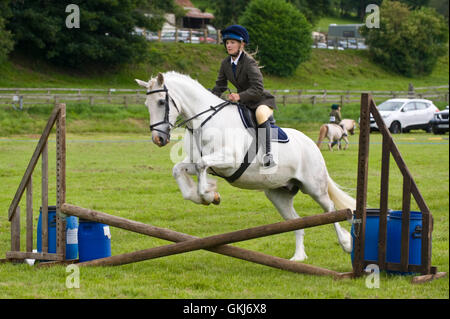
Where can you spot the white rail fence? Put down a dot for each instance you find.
(18, 97)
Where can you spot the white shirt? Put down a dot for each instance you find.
(237, 59)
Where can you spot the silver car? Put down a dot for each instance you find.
(403, 115)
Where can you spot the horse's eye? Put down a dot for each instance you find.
(161, 103)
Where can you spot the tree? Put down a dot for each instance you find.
(313, 9)
(415, 4)
(104, 37)
(6, 41)
(407, 42)
(227, 12)
(441, 7)
(280, 35)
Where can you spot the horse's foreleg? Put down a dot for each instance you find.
(186, 184)
(206, 192)
(207, 189)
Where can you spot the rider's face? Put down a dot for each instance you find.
(233, 47)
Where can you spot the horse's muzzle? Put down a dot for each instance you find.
(160, 140)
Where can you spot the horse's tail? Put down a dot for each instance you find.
(322, 133)
(341, 199)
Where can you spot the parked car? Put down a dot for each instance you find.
(185, 37)
(439, 123)
(168, 37)
(207, 40)
(152, 36)
(403, 115)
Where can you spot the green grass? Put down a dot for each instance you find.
(126, 175)
(326, 69)
(322, 25)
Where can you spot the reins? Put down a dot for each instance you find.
(215, 109)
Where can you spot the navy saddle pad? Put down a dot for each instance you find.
(249, 121)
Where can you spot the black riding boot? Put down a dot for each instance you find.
(264, 140)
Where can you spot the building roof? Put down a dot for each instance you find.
(193, 12)
(196, 13)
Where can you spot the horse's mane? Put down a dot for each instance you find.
(186, 81)
(183, 77)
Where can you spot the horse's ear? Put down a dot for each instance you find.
(160, 79)
(142, 83)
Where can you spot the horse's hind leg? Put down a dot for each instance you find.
(346, 142)
(343, 235)
(283, 201)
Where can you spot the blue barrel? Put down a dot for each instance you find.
(71, 233)
(394, 236)
(371, 238)
(94, 240)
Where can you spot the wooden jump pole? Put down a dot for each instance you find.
(212, 243)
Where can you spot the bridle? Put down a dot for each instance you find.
(167, 110)
(214, 109)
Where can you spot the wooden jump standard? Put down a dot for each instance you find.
(212, 243)
(389, 148)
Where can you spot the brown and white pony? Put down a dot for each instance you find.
(335, 133)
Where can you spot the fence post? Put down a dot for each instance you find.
(411, 91)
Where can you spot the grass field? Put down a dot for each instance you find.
(122, 173)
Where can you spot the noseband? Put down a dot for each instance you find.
(167, 110)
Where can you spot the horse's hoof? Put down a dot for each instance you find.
(216, 200)
(300, 257)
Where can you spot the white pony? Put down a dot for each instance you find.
(216, 142)
(335, 133)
